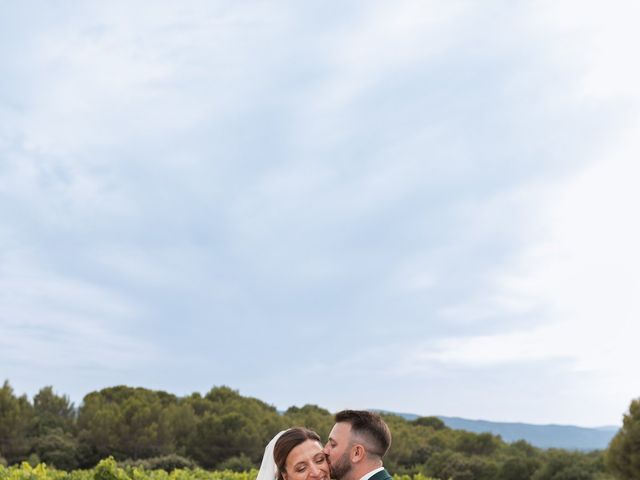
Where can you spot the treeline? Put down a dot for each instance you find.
(225, 430)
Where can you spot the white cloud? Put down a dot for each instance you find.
(600, 39)
(54, 321)
(380, 40)
(573, 296)
(577, 280)
(390, 167)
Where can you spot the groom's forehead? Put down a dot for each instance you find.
(340, 430)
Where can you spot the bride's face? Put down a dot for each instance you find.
(306, 462)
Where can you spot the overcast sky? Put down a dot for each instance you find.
(418, 206)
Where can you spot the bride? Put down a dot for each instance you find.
(294, 454)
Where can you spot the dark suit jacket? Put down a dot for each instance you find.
(381, 475)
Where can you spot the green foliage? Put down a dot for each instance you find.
(412, 445)
(57, 448)
(517, 468)
(52, 430)
(238, 463)
(310, 416)
(623, 454)
(16, 414)
(563, 465)
(230, 425)
(433, 422)
(477, 444)
(125, 422)
(52, 412)
(457, 466)
(108, 469)
(130, 433)
(521, 447)
(168, 463)
(183, 421)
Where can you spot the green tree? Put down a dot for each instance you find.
(457, 466)
(518, 467)
(310, 416)
(125, 422)
(97, 432)
(623, 454)
(229, 425)
(221, 437)
(52, 411)
(563, 465)
(477, 444)
(433, 422)
(413, 444)
(182, 420)
(57, 448)
(16, 415)
(52, 430)
(521, 447)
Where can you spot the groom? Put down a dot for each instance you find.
(356, 445)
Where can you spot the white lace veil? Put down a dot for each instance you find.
(268, 468)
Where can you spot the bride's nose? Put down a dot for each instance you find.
(316, 471)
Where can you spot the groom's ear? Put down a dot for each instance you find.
(357, 453)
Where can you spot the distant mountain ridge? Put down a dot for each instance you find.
(568, 437)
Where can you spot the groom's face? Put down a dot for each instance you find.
(338, 450)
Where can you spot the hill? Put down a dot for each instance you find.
(568, 437)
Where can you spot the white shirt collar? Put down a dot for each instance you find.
(371, 473)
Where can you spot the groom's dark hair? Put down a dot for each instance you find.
(370, 427)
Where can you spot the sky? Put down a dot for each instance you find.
(417, 206)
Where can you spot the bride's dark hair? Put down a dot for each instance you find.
(287, 442)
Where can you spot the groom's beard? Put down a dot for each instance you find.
(341, 467)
